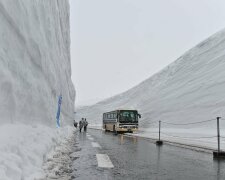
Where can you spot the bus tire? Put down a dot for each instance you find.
(114, 130)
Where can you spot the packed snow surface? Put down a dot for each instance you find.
(191, 89)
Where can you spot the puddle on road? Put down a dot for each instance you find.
(122, 137)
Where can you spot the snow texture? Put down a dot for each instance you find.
(24, 148)
(191, 89)
(58, 163)
(35, 61)
(34, 70)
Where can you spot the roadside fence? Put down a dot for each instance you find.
(217, 137)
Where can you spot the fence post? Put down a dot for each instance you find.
(218, 133)
(218, 153)
(159, 129)
(159, 142)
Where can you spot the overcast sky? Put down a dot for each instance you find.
(116, 44)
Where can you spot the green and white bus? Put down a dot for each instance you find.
(121, 121)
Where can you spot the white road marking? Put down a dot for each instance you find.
(90, 138)
(95, 145)
(88, 135)
(104, 161)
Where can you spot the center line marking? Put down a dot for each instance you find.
(104, 161)
(95, 145)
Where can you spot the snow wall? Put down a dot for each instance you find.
(190, 89)
(35, 61)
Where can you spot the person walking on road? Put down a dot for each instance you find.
(85, 125)
(75, 124)
(81, 124)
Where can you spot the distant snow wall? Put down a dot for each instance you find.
(35, 61)
(190, 89)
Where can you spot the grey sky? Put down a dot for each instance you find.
(116, 44)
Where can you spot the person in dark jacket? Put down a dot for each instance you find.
(81, 124)
(75, 124)
(85, 124)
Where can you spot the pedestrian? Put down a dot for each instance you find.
(75, 124)
(85, 125)
(81, 124)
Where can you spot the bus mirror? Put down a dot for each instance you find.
(139, 116)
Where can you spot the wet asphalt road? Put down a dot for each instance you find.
(136, 158)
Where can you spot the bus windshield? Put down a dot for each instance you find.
(128, 117)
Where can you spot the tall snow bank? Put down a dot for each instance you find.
(189, 90)
(35, 61)
(34, 70)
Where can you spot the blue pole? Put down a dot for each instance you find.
(58, 112)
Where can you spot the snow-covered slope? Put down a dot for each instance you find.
(35, 61)
(190, 89)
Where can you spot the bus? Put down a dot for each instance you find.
(121, 121)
